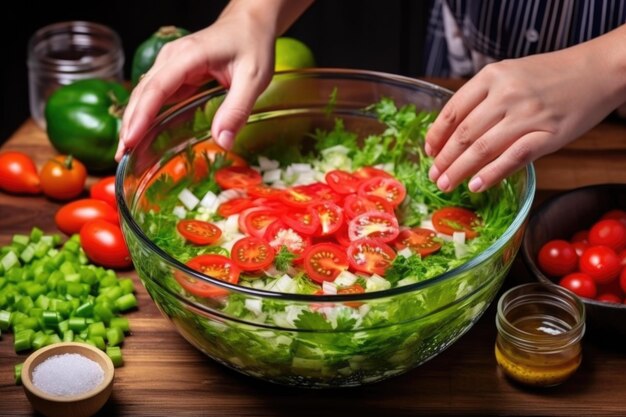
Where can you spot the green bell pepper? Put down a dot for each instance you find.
(146, 53)
(83, 119)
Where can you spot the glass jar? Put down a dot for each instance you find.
(540, 328)
(65, 52)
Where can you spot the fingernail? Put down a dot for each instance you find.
(428, 149)
(443, 183)
(120, 151)
(434, 173)
(476, 184)
(226, 139)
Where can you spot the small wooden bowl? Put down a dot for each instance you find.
(559, 218)
(82, 405)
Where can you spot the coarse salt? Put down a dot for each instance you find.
(67, 375)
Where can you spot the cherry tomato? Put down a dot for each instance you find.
(354, 205)
(354, 289)
(71, 217)
(580, 236)
(104, 244)
(580, 247)
(622, 280)
(616, 214)
(580, 284)
(278, 234)
(371, 172)
(330, 217)
(263, 191)
(18, 173)
(257, 222)
(608, 232)
(237, 177)
(622, 257)
(370, 256)
(419, 240)
(199, 232)
(374, 224)
(389, 189)
(234, 206)
(342, 182)
(214, 266)
(609, 298)
(323, 192)
(252, 254)
(63, 177)
(448, 220)
(342, 237)
(601, 262)
(325, 261)
(303, 221)
(298, 197)
(104, 190)
(557, 258)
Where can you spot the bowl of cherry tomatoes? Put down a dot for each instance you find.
(577, 239)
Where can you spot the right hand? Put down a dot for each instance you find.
(237, 51)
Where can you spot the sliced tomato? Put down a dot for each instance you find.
(389, 189)
(330, 217)
(323, 192)
(419, 240)
(303, 221)
(370, 256)
(342, 182)
(325, 261)
(237, 177)
(298, 197)
(342, 236)
(214, 266)
(257, 222)
(270, 203)
(278, 234)
(371, 172)
(373, 224)
(355, 289)
(252, 254)
(448, 220)
(355, 204)
(241, 221)
(234, 206)
(199, 232)
(263, 191)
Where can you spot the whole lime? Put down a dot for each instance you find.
(291, 54)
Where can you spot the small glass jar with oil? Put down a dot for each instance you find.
(540, 328)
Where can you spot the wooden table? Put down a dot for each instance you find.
(164, 375)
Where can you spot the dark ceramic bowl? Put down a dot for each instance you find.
(559, 218)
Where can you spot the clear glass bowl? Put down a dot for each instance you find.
(418, 321)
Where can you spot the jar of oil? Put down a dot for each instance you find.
(540, 328)
(65, 52)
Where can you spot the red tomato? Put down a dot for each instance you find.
(609, 298)
(71, 217)
(601, 262)
(419, 240)
(199, 232)
(622, 257)
(252, 254)
(325, 261)
(354, 289)
(278, 234)
(298, 197)
(63, 177)
(389, 189)
(354, 205)
(303, 221)
(448, 220)
(214, 266)
(263, 191)
(580, 284)
(374, 224)
(330, 217)
(371, 172)
(18, 173)
(234, 206)
(622, 280)
(370, 256)
(617, 214)
(323, 192)
(342, 182)
(237, 177)
(608, 232)
(104, 244)
(257, 221)
(557, 258)
(342, 236)
(104, 190)
(580, 236)
(580, 247)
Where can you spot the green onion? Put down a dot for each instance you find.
(17, 373)
(115, 353)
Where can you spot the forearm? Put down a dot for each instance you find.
(275, 15)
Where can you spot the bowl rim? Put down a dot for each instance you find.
(521, 216)
(107, 368)
(548, 202)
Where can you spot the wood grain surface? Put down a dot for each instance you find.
(165, 376)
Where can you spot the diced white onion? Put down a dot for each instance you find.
(231, 224)
(460, 250)
(427, 224)
(272, 175)
(445, 237)
(335, 149)
(188, 199)
(254, 305)
(180, 212)
(228, 245)
(376, 283)
(405, 253)
(301, 167)
(458, 237)
(229, 194)
(345, 279)
(285, 284)
(329, 288)
(267, 164)
(208, 200)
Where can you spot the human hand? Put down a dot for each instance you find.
(237, 51)
(514, 111)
